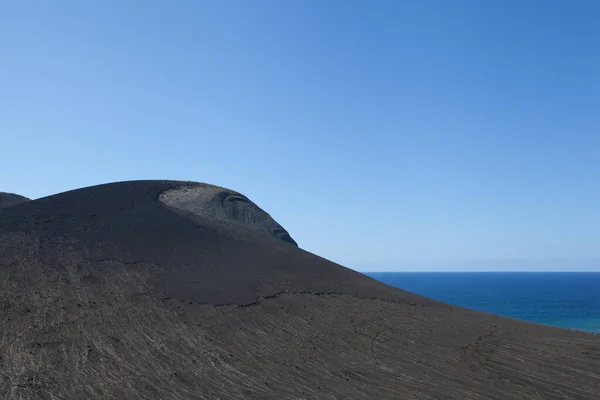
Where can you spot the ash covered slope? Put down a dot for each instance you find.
(158, 289)
(10, 199)
(190, 243)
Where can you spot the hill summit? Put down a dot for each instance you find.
(10, 199)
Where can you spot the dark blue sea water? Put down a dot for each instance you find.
(565, 299)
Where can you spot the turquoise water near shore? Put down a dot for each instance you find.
(564, 299)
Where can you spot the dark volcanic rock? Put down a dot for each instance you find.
(174, 290)
(11, 199)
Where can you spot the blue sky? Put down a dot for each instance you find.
(384, 135)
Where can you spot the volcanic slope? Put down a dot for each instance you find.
(10, 199)
(178, 290)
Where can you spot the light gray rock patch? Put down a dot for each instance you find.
(220, 204)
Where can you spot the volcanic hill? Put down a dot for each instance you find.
(10, 199)
(179, 290)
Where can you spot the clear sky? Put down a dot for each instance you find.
(384, 135)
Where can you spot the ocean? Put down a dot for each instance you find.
(564, 299)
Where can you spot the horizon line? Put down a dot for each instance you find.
(483, 271)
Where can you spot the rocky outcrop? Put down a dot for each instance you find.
(208, 202)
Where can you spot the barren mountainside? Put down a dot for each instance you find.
(10, 199)
(180, 290)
